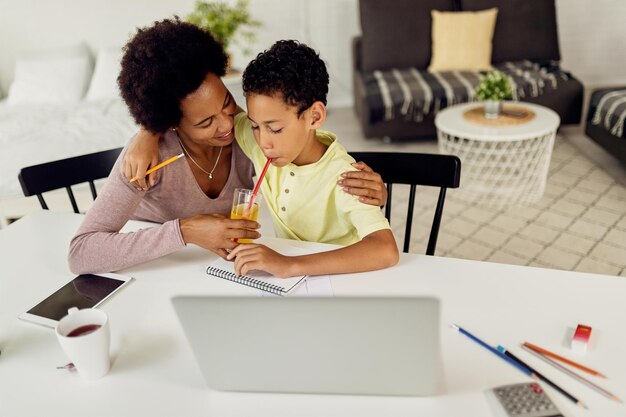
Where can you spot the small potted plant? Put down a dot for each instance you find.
(492, 89)
(228, 24)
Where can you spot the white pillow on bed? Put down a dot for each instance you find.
(104, 81)
(53, 76)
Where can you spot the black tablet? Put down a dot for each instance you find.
(84, 291)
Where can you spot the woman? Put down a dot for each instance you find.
(170, 80)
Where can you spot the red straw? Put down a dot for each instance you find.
(258, 184)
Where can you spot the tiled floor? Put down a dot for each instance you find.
(579, 224)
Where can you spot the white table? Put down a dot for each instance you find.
(501, 165)
(154, 373)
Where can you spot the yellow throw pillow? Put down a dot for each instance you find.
(462, 40)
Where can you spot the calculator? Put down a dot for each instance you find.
(522, 400)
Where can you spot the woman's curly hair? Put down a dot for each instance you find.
(290, 69)
(162, 64)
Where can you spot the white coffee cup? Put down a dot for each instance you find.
(84, 336)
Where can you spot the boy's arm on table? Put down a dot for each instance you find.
(377, 250)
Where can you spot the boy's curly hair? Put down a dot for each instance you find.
(162, 64)
(291, 69)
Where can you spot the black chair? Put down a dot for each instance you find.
(64, 173)
(443, 171)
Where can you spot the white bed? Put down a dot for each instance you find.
(58, 106)
(36, 133)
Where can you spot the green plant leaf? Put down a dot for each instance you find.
(228, 24)
(494, 86)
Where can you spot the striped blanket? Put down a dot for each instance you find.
(411, 94)
(611, 112)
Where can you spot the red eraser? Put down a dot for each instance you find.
(580, 341)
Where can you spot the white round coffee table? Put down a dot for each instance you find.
(503, 161)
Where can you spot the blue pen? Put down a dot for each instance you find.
(501, 355)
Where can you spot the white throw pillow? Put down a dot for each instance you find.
(52, 76)
(104, 81)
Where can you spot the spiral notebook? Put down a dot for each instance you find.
(257, 279)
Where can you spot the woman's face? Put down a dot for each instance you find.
(208, 114)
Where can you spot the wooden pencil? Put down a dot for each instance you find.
(573, 374)
(161, 165)
(562, 359)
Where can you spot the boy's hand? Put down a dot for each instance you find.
(217, 232)
(366, 184)
(251, 256)
(142, 153)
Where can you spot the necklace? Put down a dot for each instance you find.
(209, 174)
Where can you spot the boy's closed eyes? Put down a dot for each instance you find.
(274, 131)
(282, 132)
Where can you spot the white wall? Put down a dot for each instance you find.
(25, 25)
(35, 24)
(593, 40)
(592, 33)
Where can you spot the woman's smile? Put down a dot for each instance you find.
(226, 135)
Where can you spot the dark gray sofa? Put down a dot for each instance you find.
(397, 34)
(606, 112)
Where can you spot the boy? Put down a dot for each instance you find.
(285, 89)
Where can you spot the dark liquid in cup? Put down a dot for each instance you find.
(84, 330)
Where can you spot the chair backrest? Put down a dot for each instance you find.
(434, 170)
(64, 173)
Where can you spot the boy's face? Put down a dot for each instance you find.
(281, 134)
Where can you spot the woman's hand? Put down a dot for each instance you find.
(142, 153)
(366, 184)
(252, 256)
(217, 232)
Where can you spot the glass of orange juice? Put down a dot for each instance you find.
(242, 209)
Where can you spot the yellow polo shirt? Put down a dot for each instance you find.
(305, 201)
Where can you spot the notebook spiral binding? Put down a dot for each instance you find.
(245, 280)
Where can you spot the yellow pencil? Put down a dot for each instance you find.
(161, 165)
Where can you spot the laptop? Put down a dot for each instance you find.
(331, 345)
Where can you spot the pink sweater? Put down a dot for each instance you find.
(99, 247)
